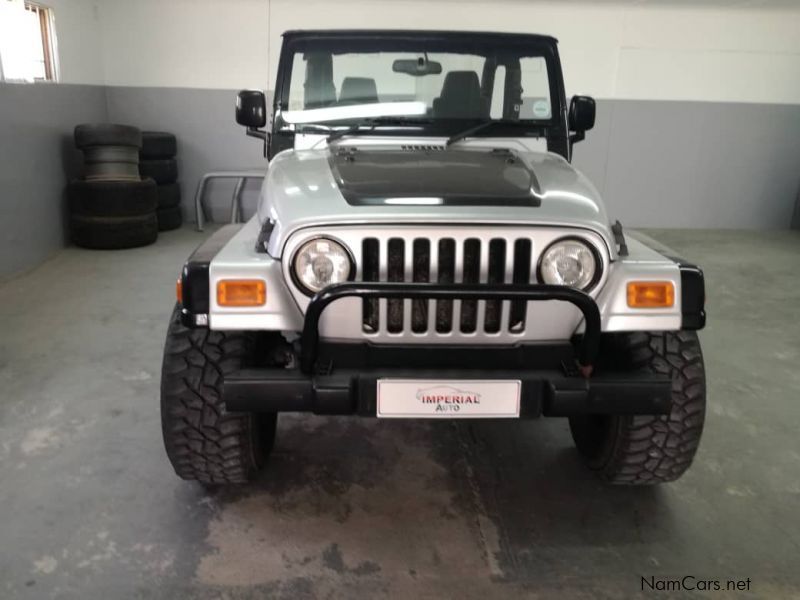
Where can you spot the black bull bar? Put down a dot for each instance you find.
(586, 352)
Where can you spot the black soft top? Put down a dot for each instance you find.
(419, 33)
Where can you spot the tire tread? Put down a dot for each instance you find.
(203, 440)
(648, 449)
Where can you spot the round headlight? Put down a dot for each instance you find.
(321, 262)
(569, 262)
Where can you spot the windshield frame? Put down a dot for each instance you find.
(554, 129)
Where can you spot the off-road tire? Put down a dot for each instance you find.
(112, 198)
(163, 171)
(169, 218)
(203, 440)
(107, 134)
(114, 233)
(158, 144)
(169, 195)
(649, 449)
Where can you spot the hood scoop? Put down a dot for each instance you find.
(420, 175)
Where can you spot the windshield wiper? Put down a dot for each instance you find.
(368, 125)
(457, 137)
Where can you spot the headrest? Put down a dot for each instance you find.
(463, 83)
(358, 90)
(461, 97)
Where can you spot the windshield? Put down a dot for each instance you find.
(334, 81)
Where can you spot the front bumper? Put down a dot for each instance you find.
(334, 383)
(347, 392)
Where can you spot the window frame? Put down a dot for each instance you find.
(49, 44)
(47, 31)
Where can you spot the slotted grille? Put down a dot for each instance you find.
(446, 260)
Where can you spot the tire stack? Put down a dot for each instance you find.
(111, 207)
(157, 161)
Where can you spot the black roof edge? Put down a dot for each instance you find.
(415, 33)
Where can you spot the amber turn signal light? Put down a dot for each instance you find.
(241, 292)
(651, 294)
(179, 290)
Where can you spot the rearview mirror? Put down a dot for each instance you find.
(581, 113)
(417, 67)
(251, 109)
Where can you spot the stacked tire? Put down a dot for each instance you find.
(111, 207)
(157, 162)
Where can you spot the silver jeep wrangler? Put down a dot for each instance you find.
(424, 249)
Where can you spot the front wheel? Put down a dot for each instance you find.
(649, 449)
(204, 441)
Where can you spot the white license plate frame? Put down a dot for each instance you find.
(448, 398)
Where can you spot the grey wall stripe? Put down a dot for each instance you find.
(695, 164)
(37, 158)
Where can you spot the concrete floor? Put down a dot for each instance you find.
(90, 508)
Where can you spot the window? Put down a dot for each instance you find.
(498, 94)
(417, 83)
(27, 42)
(535, 89)
(325, 80)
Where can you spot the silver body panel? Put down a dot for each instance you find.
(301, 198)
(239, 260)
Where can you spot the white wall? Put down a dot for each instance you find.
(185, 43)
(78, 38)
(663, 50)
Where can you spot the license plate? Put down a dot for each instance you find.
(448, 399)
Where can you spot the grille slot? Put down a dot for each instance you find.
(471, 274)
(446, 260)
(521, 275)
(422, 148)
(447, 273)
(422, 274)
(370, 271)
(395, 272)
(497, 268)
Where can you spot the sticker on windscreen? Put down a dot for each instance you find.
(541, 109)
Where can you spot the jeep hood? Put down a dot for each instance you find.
(345, 185)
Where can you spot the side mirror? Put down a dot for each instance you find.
(251, 109)
(580, 118)
(581, 113)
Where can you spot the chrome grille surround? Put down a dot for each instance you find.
(454, 254)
